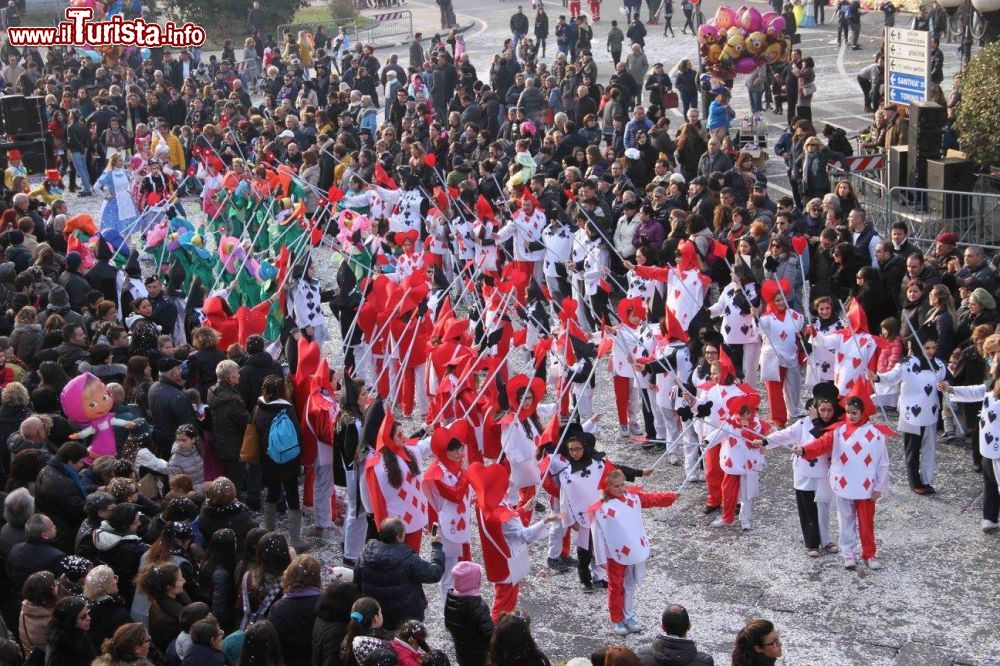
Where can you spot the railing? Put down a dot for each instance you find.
(388, 27)
(870, 188)
(973, 216)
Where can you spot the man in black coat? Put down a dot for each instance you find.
(391, 573)
(891, 268)
(259, 365)
(518, 26)
(76, 286)
(672, 647)
(38, 552)
(164, 310)
(168, 406)
(102, 276)
(59, 492)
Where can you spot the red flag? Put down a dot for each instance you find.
(335, 194)
(440, 198)
(430, 159)
(720, 250)
(541, 350)
(604, 346)
(484, 210)
(316, 236)
(800, 243)
(550, 434)
(605, 286)
(569, 194)
(382, 178)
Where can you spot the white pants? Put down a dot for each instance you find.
(751, 362)
(584, 395)
(356, 521)
(452, 554)
(323, 490)
(556, 531)
(749, 489)
(320, 333)
(631, 579)
(847, 520)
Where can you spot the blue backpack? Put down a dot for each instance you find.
(282, 439)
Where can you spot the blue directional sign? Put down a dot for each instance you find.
(907, 70)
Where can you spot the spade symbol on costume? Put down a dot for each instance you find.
(928, 388)
(992, 416)
(916, 410)
(727, 328)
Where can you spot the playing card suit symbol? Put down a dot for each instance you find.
(856, 362)
(934, 409)
(928, 388)
(868, 459)
(783, 335)
(677, 293)
(611, 513)
(727, 328)
(868, 484)
(729, 463)
(916, 410)
(626, 550)
(991, 416)
(745, 329)
(840, 358)
(844, 458)
(857, 448)
(843, 482)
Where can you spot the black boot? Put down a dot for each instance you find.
(583, 557)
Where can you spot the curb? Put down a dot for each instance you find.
(395, 45)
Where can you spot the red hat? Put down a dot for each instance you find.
(728, 369)
(629, 306)
(411, 235)
(674, 330)
(53, 175)
(14, 154)
(687, 256)
(490, 483)
(460, 430)
(749, 400)
(947, 238)
(857, 317)
(517, 384)
(771, 288)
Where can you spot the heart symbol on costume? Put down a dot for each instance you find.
(840, 358)
(745, 328)
(928, 388)
(727, 328)
(677, 293)
(855, 362)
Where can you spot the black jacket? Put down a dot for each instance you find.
(106, 615)
(103, 277)
(202, 655)
(31, 557)
(673, 651)
(76, 287)
(235, 515)
(471, 627)
(59, 498)
(122, 553)
(255, 370)
(168, 409)
(229, 421)
(265, 413)
(326, 639)
(293, 616)
(394, 575)
(164, 313)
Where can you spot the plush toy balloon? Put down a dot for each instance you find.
(733, 49)
(708, 34)
(734, 31)
(725, 17)
(766, 17)
(775, 27)
(755, 43)
(714, 54)
(750, 19)
(771, 54)
(145, 53)
(87, 402)
(746, 65)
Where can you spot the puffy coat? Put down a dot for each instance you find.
(234, 515)
(394, 575)
(168, 408)
(123, 553)
(471, 627)
(229, 421)
(673, 651)
(255, 370)
(59, 498)
(326, 639)
(32, 625)
(293, 616)
(187, 462)
(165, 619)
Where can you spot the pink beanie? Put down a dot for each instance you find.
(466, 578)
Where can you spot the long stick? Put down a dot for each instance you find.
(860, 353)
(388, 321)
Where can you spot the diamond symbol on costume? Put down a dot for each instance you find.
(414, 501)
(843, 482)
(401, 494)
(857, 446)
(844, 458)
(626, 550)
(783, 335)
(611, 513)
(868, 459)
(409, 477)
(870, 435)
(868, 484)
(642, 541)
(407, 517)
(630, 502)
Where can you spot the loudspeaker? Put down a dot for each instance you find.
(22, 115)
(899, 166)
(953, 175)
(926, 122)
(37, 153)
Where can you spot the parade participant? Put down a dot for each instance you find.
(409, 262)
(118, 211)
(633, 339)
(503, 536)
(392, 490)
(156, 186)
(855, 349)
(306, 303)
(812, 490)
(15, 168)
(621, 544)
(741, 459)
(779, 357)
(446, 486)
(408, 204)
(826, 326)
(210, 173)
(918, 376)
(710, 406)
(320, 416)
(409, 335)
(739, 328)
(525, 227)
(670, 363)
(859, 473)
(650, 290)
(519, 428)
(686, 285)
(558, 240)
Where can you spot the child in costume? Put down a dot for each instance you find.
(740, 459)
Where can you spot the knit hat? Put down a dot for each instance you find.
(364, 646)
(947, 238)
(76, 567)
(984, 298)
(466, 579)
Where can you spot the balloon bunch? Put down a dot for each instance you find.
(739, 41)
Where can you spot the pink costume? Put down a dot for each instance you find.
(85, 400)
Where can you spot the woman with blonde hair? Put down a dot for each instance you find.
(118, 210)
(202, 363)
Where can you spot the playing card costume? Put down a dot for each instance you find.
(504, 538)
(446, 486)
(779, 356)
(711, 408)
(741, 459)
(859, 467)
(633, 340)
(525, 228)
(739, 328)
(519, 430)
(670, 364)
(989, 444)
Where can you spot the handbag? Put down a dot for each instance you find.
(809, 89)
(668, 100)
(250, 449)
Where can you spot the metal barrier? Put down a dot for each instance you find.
(388, 27)
(872, 192)
(973, 216)
(330, 26)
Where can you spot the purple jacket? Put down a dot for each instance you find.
(653, 231)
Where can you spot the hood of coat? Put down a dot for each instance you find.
(670, 650)
(105, 538)
(31, 611)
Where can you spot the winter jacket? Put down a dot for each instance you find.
(293, 616)
(265, 413)
(890, 355)
(471, 627)
(255, 370)
(169, 408)
(235, 515)
(221, 593)
(107, 613)
(673, 651)
(164, 619)
(187, 462)
(10, 536)
(26, 339)
(59, 498)
(203, 655)
(229, 421)
(30, 557)
(32, 625)
(326, 640)
(10, 652)
(121, 552)
(76, 287)
(394, 575)
(201, 371)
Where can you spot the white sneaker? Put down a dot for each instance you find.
(619, 628)
(623, 431)
(850, 563)
(746, 527)
(637, 429)
(874, 564)
(720, 523)
(632, 625)
(989, 527)
(674, 459)
(699, 476)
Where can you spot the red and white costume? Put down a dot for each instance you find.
(855, 350)
(621, 545)
(595, 10)
(320, 418)
(779, 356)
(526, 230)
(409, 341)
(519, 431)
(630, 343)
(739, 327)
(410, 261)
(446, 486)
(671, 364)
(859, 466)
(711, 408)
(575, 8)
(741, 460)
(503, 536)
(407, 501)
(686, 285)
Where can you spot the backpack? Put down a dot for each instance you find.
(282, 439)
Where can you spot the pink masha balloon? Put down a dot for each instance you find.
(725, 17)
(746, 65)
(708, 34)
(756, 43)
(776, 27)
(749, 19)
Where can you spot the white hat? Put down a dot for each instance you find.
(632, 153)
(287, 134)
(677, 178)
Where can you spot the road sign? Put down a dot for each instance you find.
(908, 68)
